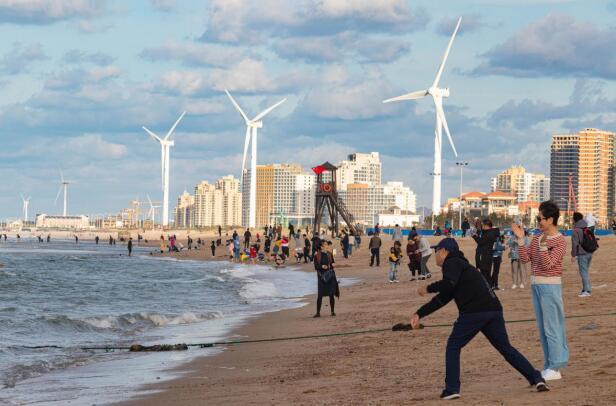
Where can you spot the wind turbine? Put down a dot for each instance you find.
(437, 94)
(63, 185)
(152, 211)
(251, 136)
(165, 146)
(26, 203)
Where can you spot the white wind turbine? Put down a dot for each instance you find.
(63, 185)
(165, 146)
(251, 136)
(26, 203)
(152, 211)
(437, 94)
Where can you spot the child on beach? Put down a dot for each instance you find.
(394, 261)
(253, 254)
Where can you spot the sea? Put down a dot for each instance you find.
(72, 295)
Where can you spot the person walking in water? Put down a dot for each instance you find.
(545, 254)
(479, 311)
(96, 239)
(130, 246)
(76, 239)
(110, 240)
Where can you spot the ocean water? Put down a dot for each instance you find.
(73, 295)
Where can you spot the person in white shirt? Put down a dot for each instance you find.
(590, 221)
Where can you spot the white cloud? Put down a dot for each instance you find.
(21, 57)
(192, 54)
(47, 11)
(94, 146)
(163, 5)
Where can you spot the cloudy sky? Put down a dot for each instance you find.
(78, 79)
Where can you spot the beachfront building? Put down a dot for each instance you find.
(62, 222)
(479, 204)
(184, 211)
(285, 195)
(525, 186)
(218, 204)
(588, 158)
(394, 215)
(359, 168)
(367, 201)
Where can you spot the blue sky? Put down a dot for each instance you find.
(78, 79)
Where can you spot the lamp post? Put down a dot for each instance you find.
(461, 165)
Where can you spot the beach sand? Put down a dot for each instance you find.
(402, 367)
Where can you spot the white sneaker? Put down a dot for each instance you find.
(396, 281)
(551, 374)
(521, 286)
(584, 294)
(514, 286)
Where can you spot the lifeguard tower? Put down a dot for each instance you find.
(327, 197)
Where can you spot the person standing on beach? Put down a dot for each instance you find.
(162, 244)
(582, 234)
(497, 259)
(213, 248)
(485, 248)
(247, 236)
(326, 278)
(465, 227)
(375, 248)
(96, 240)
(545, 254)
(426, 253)
(345, 244)
(76, 239)
(189, 242)
(412, 251)
(479, 311)
(130, 246)
(306, 249)
(395, 256)
(518, 274)
(219, 232)
(48, 237)
(397, 234)
(316, 243)
(590, 221)
(110, 240)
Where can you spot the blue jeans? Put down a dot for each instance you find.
(584, 264)
(393, 270)
(492, 325)
(550, 315)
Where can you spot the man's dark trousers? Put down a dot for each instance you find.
(375, 254)
(492, 325)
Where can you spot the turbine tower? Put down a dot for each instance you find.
(437, 94)
(165, 146)
(63, 185)
(251, 138)
(26, 203)
(152, 211)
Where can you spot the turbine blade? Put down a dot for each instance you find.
(58, 195)
(268, 110)
(174, 125)
(409, 96)
(153, 135)
(441, 116)
(237, 106)
(61, 176)
(149, 200)
(440, 69)
(246, 142)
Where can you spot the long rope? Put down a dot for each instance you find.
(291, 338)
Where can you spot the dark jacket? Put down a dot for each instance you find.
(485, 243)
(577, 237)
(464, 284)
(375, 242)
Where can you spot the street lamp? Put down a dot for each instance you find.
(461, 165)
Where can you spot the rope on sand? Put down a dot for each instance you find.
(180, 347)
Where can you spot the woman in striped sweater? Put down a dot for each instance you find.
(545, 253)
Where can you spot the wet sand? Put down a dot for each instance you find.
(402, 367)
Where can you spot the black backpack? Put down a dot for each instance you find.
(589, 242)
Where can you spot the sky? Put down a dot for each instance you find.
(78, 79)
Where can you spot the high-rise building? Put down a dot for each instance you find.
(365, 201)
(219, 204)
(184, 211)
(398, 195)
(359, 168)
(285, 194)
(588, 157)
(525, 186)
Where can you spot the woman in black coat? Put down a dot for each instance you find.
(326, 278)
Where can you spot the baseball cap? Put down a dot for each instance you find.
(448, 243)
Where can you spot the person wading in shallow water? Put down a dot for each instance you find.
(480, 311)
(130, 246)
(326, 278)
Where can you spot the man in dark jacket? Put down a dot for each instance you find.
(375, 247)
(479, 310)
(485, 243)
(465, 226)
(577, 251)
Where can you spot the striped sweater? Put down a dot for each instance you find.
(547, 260)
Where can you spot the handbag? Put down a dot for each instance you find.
(327, 275)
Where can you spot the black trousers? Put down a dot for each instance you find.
(332, 303)
(496, 263)
(492, 325)
(375, 254)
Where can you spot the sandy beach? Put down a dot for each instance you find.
(401, 367)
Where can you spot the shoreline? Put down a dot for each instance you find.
(398, 367)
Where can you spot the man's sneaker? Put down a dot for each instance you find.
(514, 286)
(521, 286)
(542, 387)
(550, 374)
(429, 275)
(584, 294)
(396, 281)
(446, 395)
(412, 278)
